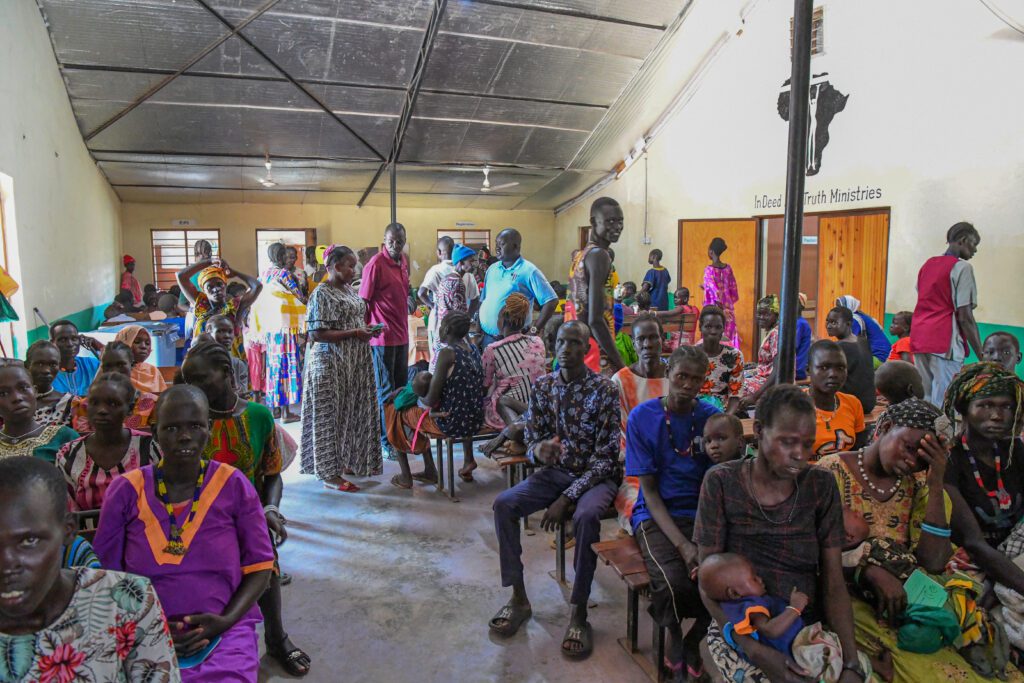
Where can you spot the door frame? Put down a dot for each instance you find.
(887, 210)
(754, 333)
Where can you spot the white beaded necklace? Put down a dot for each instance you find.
(867, 480)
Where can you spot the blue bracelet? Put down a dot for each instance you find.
(936, 531)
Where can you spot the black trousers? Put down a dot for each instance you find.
(674, 595)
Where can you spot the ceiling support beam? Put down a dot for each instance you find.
(306, 91)
(165, 82)
(413, 91)
(569, 13)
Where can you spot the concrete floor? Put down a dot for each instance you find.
(393, 585)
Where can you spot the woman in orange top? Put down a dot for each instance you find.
(145, 377)
(839, 417)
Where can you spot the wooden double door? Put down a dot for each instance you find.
(847, 253)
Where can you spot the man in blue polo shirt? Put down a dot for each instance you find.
(513, 273)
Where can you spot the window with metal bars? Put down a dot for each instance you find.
(817, 32)
(175, 249)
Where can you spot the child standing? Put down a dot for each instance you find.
(687, 315)
(900, 328)
(656, 281)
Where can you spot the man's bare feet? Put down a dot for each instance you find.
(466, 473)
(881, 663)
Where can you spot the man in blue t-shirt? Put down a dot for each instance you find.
(76, 372)
(513, 273)
(803, 339)
(656, 281)
(664, 449)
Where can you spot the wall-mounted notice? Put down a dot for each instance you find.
(465, 224)
(183, 222)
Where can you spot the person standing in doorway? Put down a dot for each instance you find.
(385, 289)
(656, 281)
(512, 273)
(130, 282)
(720, 289)
(591, 298)
(944, 326)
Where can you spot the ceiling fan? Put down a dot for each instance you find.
(486, 187)
(269, 181)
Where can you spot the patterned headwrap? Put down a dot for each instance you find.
(983, 380)
(916, 414)
(516, 308)
(128, 258)
(327, 252)
(771, 301)
(211, 273)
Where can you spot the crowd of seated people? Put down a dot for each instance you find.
(807, 543)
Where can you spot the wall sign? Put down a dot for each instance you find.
(822, 197)
(825, 102)
(465, 224)
(183, 222)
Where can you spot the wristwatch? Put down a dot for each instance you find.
(856, 668)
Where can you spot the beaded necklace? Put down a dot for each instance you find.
(175, 546)
(684, 453)
(1002, 497)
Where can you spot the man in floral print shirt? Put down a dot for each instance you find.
(60, 625)
(573, 433)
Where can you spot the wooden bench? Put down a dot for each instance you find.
(449, 444)
(623, 555)
(561, 540)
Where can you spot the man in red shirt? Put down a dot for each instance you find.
(944, 327)
(385, 288)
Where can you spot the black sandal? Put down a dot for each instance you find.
(583, 635)
(513, 615)
(295, 661)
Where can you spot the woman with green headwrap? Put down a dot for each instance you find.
(985, 474)
(757, 380)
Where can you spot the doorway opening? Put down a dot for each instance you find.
(300, 239)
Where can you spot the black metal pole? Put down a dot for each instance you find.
(796, 169)
(394, 200)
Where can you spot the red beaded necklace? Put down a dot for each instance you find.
(685, 453)
(1000, 495)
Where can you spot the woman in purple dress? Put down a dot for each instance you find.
(196, 529)
(720, 289)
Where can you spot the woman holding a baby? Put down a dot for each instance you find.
(785, 519)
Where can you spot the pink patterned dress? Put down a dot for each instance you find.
(511, 365)
(87, 481)
(720, 290)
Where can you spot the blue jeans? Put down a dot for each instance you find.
(537, 492)
(390, 370)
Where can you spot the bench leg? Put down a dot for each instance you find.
(451, 468)
(440, 465)
(632, 616)
(560, 554)
(658, 650)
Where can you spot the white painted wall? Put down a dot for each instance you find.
(66, 217)
(933, 119)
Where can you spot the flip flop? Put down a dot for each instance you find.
(345, 486)
(584, 636)
(419, 477)
(397, 481)
(295, 661)
(513, 615)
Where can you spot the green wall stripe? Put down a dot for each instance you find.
(984, 329)
(87, 320)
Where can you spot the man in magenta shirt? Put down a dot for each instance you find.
(385, 288)
(944, 328)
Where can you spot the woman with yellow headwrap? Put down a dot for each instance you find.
(756, 381)
(209, 296)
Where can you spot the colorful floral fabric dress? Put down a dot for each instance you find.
(511, 365)
(113, 630)
(720, 290)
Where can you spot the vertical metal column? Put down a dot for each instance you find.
(796, 169)
(394, 200)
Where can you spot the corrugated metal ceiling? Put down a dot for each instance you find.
(520, 85)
